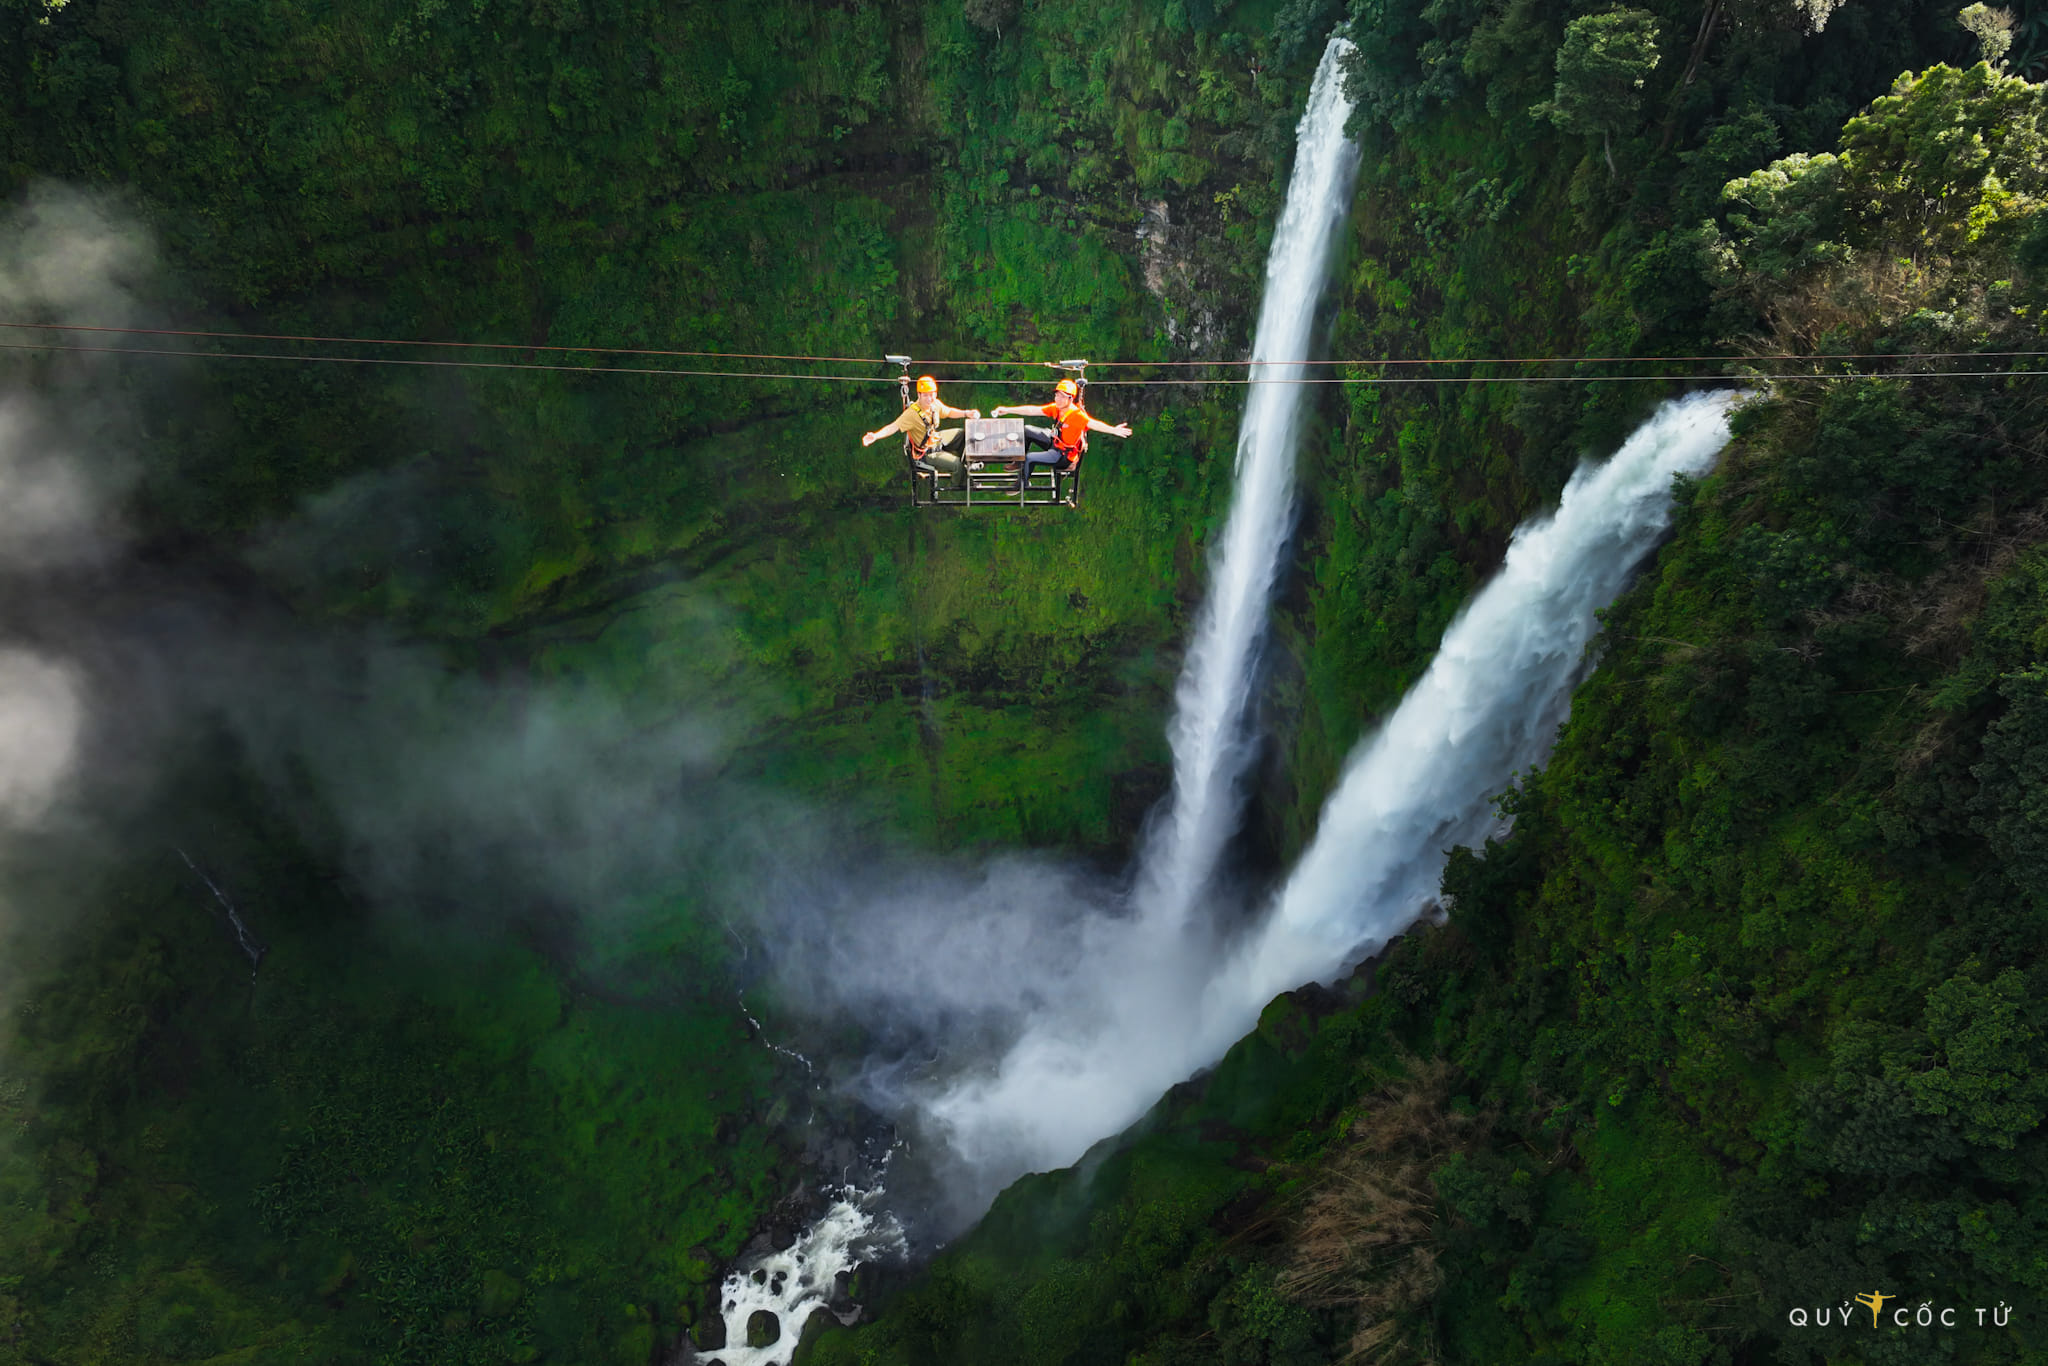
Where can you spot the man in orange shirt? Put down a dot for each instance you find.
(1061, 446)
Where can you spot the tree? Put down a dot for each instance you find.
(1932, 199)
(1600, 71)
(1992, 28)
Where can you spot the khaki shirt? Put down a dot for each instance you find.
(914, 423)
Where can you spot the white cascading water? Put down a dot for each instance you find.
(796, 1283)
(1489, 706)
(1209, 733)
(1142, 1017)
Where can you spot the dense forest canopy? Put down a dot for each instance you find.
(1743, 1018)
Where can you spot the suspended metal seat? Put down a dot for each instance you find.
(997, 445)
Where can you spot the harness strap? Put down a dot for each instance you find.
(916, 452)
(1072, 453)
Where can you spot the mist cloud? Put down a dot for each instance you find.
(75, 258)
(438, 791)
(50, 512)
(64, 258)
(72, 259)
(41, 713)
(443, 793)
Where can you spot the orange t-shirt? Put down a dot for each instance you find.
(1073, 433)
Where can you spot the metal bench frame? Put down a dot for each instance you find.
(998, 443)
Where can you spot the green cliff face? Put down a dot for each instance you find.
(1740, 1018)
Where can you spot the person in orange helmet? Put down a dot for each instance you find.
(920, 422)
(1059, 446)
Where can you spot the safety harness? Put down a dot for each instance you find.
(918, 454)
(1071, 455)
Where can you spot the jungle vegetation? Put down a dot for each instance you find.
(1742, 1016)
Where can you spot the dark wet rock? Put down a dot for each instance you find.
(709, 1334)
(821, 1319)
(763, 1328)
(834, 1154)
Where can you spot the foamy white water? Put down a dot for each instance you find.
(796, 1283)
(1209, 732)
(1488, 707)
(1149, 1006)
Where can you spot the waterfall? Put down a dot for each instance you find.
(1209, 734)
(1489, 705)
(1146, 1009)
(1048, 1100)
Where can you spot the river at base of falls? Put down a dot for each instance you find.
(771, 1298)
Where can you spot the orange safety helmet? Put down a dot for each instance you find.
(927, 385)
(1067, 387)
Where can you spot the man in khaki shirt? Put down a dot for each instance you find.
(920, 422)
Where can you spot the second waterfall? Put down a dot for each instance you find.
(1210, 734)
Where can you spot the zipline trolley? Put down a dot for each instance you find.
(996, 445)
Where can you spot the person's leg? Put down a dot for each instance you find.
(939, 457)
(1045, 459)
(1037, 440)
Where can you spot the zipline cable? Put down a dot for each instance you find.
(458, 345)
(456, 364)
(1106, 383)
(871, 360)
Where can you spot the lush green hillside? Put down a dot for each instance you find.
(1485, 228)
(415, 1139)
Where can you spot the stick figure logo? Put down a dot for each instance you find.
(1874, 1301)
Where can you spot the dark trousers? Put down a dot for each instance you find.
(1039, 450)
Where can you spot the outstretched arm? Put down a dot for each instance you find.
(946, 411)
(1015, 410)
(1122, 429)
(870, 438)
